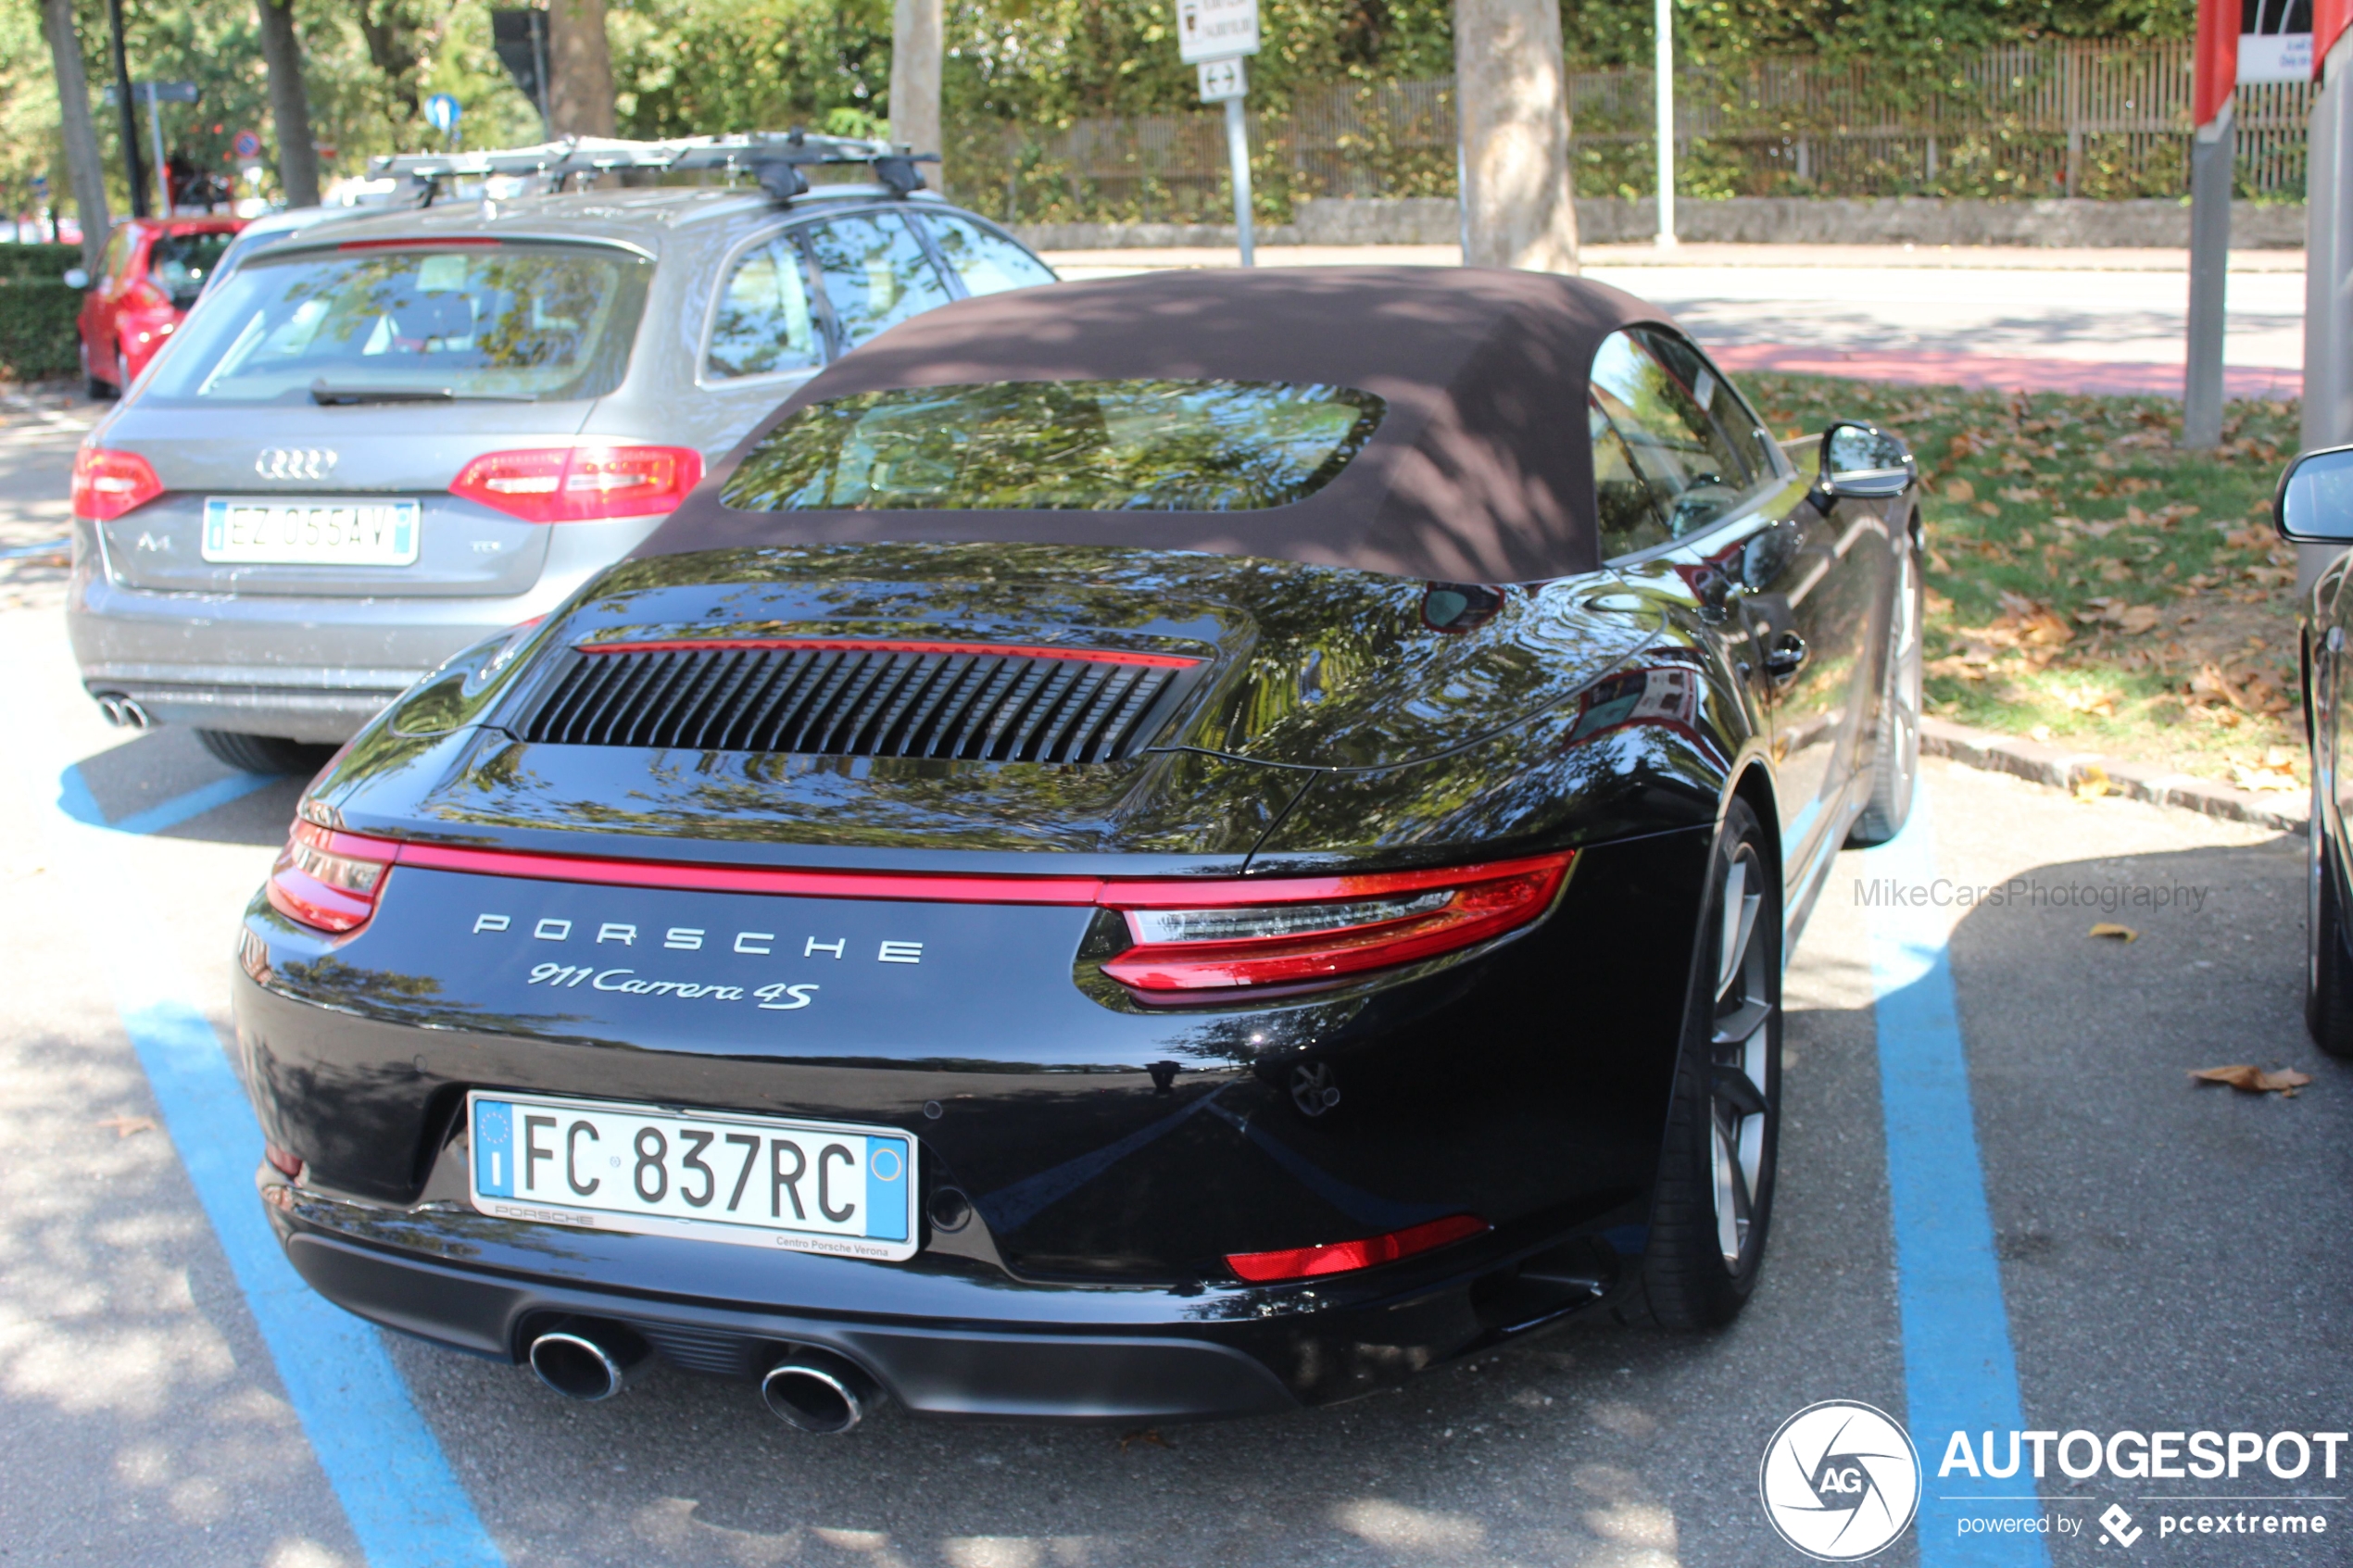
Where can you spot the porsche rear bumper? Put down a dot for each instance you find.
(987, 1348)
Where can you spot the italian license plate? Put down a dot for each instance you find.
(309, 533)
(753, 1181)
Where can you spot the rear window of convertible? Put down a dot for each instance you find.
(1076, 445)
(502, 322)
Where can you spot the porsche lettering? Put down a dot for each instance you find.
(753, 944)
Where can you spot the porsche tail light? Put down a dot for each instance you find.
(1196, 936)
(106, 484)
(1344, 1257)
(329, 881)
(581, 483)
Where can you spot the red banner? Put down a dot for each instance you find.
(2218, 55)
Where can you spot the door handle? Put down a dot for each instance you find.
(1785, 656)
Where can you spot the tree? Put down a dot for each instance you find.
(915, 76)
(84, 165)
(579, 101)
(1511, 95)
(289, 103)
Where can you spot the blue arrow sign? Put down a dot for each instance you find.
(442, 112)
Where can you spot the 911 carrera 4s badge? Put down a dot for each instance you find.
(629, 980)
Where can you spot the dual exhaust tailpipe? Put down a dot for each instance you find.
(124, 712)
(810, 1390)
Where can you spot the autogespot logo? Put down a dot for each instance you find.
(1840, 1481)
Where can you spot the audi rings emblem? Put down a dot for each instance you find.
(295, 462)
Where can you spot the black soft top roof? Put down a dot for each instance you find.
(1481, 470)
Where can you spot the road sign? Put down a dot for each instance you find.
(157, 93)
(1216, 29)
(442, 112)
(247, 145)
(1221, 79)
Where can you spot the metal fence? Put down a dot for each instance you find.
(2096, 119)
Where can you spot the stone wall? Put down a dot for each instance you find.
(1739, 219)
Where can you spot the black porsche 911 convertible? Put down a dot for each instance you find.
(1173, 847)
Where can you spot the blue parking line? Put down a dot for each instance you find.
(405, 1505)
(76, 802)
(1959, 1371)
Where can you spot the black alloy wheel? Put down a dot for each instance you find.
(1896, 754)
(1714, 1204)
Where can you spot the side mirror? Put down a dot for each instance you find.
(76, 278)
(1863, 463)
(2314, 502)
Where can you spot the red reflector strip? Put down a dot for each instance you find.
(854, 644)
(1344, 1257)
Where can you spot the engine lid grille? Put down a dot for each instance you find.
(862, 697)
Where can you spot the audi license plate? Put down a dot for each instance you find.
(309, 533)
(754, 1181)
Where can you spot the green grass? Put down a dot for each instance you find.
(2090, 582)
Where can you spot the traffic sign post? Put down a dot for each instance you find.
(1215, 36)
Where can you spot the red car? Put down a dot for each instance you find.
(152, 270)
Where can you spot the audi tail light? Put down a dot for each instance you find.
(329, 881)
(1345, 1257)
(107, 484)
(1216, 936)
(581, 483)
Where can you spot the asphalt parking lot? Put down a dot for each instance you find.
(2003, 1204)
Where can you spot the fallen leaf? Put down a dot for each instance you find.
(2040, 733)
(2254, 1080)
(124, 1126)
(2137, 619)
(2115, 933)
(1988, 508)
(1959, 490)
(1150, 1435)
(2020, 495)
(1938, 564)
(2094, 783)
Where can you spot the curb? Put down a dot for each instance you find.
(2061, 769)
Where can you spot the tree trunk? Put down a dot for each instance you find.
(85, 166)
(580, 96)
(289, 103)
(1511, 100)
(914, 79)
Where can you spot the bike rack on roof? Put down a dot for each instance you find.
(774, 159)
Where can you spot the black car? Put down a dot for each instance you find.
(2314, 506)
(1163, 848)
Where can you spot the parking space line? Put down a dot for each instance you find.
(1960, 1374)
(405, 1507)
(76, 802)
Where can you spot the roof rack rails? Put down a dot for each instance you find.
(773, 157)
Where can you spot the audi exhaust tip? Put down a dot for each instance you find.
(823, 1396)
(124, 712)
(587, 1361)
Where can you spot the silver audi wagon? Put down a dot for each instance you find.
(382, 440)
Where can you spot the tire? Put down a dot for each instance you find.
(2328, 969)
(1713, 1208)
(1895, 751)
(98, 389)
(121, 373)
(265, 754)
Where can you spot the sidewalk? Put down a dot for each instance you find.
(2009, 318)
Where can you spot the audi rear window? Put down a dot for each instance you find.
(1077, 445)
(504, 322)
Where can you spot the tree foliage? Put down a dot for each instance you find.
(685, 66)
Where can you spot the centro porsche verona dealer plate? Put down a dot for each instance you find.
(311, 533)
(755, 1181)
